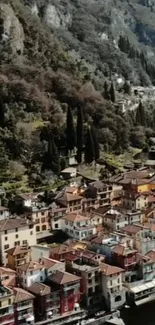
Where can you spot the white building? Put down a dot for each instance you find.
(112, 287)
(4, 213)
(38, 271)
(78, 226)
(15, 232)
(115, 220)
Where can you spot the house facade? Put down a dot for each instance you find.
(6, 306)
(17, 256)
(23, 306)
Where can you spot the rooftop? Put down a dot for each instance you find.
(21, 295)
(121, 250)
(13, 223)
(75, 217)
(39, 289)
(109, 269)
(132, 229)
(60, 277)
(61, 249)
(31, 266)
(17, 250)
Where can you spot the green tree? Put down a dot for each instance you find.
(127, 87)
(89, 147)
(51, 160)
(79, 134)
(140, 115)
(70, 132)
(106, 91)
(2, 115)
(94, 133)
(112, 93)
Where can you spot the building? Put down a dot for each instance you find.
(145, 267)
(23, 306)
(135, 201)
(78, 226)
(8, 277)
(55, 216)
(72, 202)
(4, 213)
(46, 303)
(68, 173)
(125, 257)
(15, 232)
(112, 286)
(99, 191)
(85, 264)
(58, 253)
(37, 271)
(39, 251)
(6, 306)
(18, 255)
(40, 216)
(25, 201)
(138, 181)
(114, 219)
(69, 287)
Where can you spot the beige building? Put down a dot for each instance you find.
(134, 201)
(6, 306)
(15, 232)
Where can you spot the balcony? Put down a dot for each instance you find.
(9, 319)
(24, 314)
(23, 306)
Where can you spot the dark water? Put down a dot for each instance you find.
(143, 315)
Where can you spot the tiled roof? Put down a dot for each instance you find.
(121, 250)
(18, 250)
(67, 197)
(74, 217)
(39, 289)
(110, 269)
(31, 266)
(60, 277)
(12, 224)
(151, 254)
(61, 249)
(132, 229)
(11, 274)
(48, 262)
(22, 295)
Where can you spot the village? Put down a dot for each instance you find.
(86, 249)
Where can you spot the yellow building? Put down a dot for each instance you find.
(17, 256)
(6, 306)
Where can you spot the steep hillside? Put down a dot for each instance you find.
(55, 57)
(91, 31)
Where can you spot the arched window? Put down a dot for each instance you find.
(118, 298)
(44, 228)
(37, 228)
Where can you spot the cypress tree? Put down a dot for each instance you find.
(106, 91)
(127, 88)
(79, 134)
(51, 159)
(2, 116)
(94, 132)
(112, 93)
(70, 132)
(89, 147)
(140, 115)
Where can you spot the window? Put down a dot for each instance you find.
(6, 246)
(9, 302)
(30, 226)
(42, 220)
(5, 232)
(66, 222)
(118, 298)
(37, 228)
(42, 213)
(90, 281)
(44, 228)
(37, 220)
(25, 242)
(31, 272)
(16, 236)
(41, 278)
(111, 283)
(6, 238)
(56, 225)
(31, 233)
(16, 229)
(16, 243)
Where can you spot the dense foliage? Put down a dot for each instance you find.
(49, 104)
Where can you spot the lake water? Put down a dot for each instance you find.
(143, 315)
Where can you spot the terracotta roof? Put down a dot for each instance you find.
(12, 224)
(132, 229)
(60, 277)
(48, 262)
(39, 289)
(110, 269)
(102, 210)
(18, 250)
(71, 189)
(31, 266)
(151, 254)
(21, 295)
(61, 249)
(99, 185)
(74, 217)
(67, 197)
(11, 274)
(121, 250)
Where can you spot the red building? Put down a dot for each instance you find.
(46, 303)
(23, 306)
(59, 252)
(124, 257)
(69, 288)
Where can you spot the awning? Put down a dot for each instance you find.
(143, 301)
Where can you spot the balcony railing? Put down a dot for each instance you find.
(7, 319)
(24, 306)
(25, 314)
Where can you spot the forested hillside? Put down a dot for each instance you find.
(50, 71)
